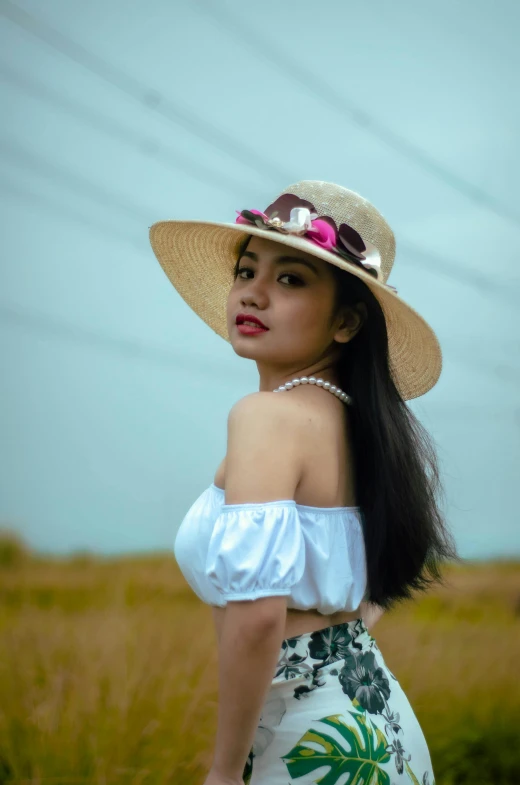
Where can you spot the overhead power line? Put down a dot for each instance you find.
(82, 186)
(77, 183)
(127, 347)
(66, 210)
(69, 48)
(39, 322)
(320, 89)
(43, 324)
(25, 318)
(121, 132)
(437, 265)
(145, 95)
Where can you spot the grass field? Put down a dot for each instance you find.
(108, 671)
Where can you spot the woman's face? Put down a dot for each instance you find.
(292, 293)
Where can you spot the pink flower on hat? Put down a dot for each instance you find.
(291, 215)
(322, 233)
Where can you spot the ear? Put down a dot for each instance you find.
(351, 321)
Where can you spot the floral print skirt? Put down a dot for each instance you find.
(335, 714)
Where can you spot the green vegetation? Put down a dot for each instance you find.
(108, 671)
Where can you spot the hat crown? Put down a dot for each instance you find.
(349, 207)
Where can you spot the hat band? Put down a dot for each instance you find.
(291, 215)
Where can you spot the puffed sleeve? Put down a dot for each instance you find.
(256, 550)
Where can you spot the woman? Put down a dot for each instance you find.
(324, 512)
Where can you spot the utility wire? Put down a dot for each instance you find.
(129, 348)
(320, 89)
(82, 186)
(65, 210)
(125, 346)
(438, 265)
(145, 145)
(145, 95)
(506, 373)
(75, 182)
(42, 323)
(430, 262)
(121, 80)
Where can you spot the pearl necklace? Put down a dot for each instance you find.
(319, 383)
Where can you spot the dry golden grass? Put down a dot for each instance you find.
(108, 672)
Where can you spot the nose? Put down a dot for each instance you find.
(255, 293)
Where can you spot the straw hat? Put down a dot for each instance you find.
(324, 219)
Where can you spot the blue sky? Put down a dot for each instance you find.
(115, 395)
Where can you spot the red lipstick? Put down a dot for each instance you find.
(247, 324)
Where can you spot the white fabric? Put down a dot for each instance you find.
(256, 550)
(313, 555)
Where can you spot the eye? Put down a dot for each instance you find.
(244, 270)
(294, 280)
(246, 273)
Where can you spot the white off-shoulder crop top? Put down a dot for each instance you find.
(313, 555)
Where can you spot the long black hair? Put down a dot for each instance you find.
(397, 477)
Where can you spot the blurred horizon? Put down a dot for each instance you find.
(115, 394)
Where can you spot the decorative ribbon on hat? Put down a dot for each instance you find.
(291, 215)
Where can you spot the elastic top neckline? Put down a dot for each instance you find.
(286, 501)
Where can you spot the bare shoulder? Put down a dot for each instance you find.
(269, 418)
(266, 408)
(264, 457)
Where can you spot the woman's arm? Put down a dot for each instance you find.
(248, 651)
(263, 463)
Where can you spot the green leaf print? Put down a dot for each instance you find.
(413, 778)
(362, 758)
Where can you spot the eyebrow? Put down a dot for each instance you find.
(284, 260)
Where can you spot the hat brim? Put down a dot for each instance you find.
(199, 256)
